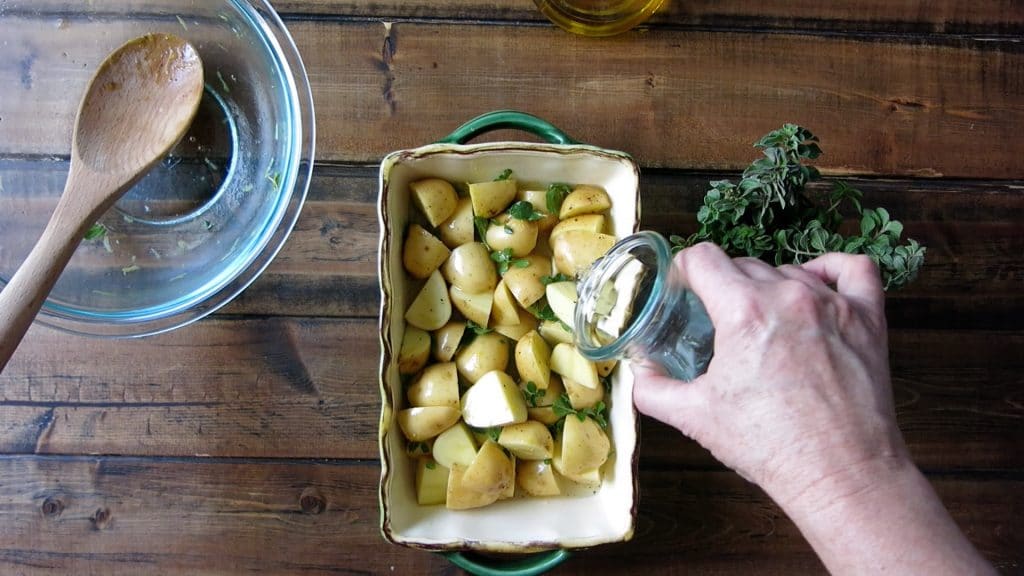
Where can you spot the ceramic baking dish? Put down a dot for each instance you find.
(519, 524)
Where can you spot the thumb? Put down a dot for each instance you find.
(679, 404)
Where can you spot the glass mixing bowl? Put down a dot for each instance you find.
(199, 228)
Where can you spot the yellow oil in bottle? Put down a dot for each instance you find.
(598, 17)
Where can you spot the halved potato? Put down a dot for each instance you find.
(569, 363)
(475, 307)
(422, 423)
(527, 322)
(431, 308)
(415, 351)
(575, 250)
(584, 199)
(447, 339)
(423, 252)
(533, 359)
(438, 385)
(470, 269)
(434, 197)
(485, 353)
(491, 198)
(493, 401)
(458, 229)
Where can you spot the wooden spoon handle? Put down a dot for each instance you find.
(24, 295)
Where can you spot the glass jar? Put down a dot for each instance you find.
(598, 17)
(634, 304)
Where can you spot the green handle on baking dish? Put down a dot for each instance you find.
(507, 119)
(529, 566)
(533, 564)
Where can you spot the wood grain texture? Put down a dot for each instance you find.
(672, 98)
(940, 17)
(126, 516)
(974, 232)
(307, 388)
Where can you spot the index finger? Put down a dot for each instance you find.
(711, 274)
(855, 276)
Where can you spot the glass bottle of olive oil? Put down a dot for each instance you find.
(598, 17)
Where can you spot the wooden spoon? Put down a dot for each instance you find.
(138, 105)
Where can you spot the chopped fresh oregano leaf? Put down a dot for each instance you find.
(96, 231)
(477, 329)
(532, 394)
(481, 225)
(555, 196)
(545, 280)
(431, 465)
(563, 407)
(523, 210)
(506, 260)
(506, 174)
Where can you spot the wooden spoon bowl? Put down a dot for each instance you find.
(139, 104)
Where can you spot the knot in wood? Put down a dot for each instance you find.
(312, 502)
(52, 507)
(101, 518)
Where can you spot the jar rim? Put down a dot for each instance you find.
(591, 283)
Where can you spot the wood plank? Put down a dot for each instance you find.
(262, 387)
(974, 232)
(941, 17)
(285, 387)
(673, 98)
(126, 516)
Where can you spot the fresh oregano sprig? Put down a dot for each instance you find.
(769, 215)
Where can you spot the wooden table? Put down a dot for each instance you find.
(247, 442)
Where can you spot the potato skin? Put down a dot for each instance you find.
(470, 269)
(506, 232)
(575, 250)
(423, 252)
(435, 198)
(584, 199)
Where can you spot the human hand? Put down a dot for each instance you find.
(798, 393)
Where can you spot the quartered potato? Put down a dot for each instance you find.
(491, 198)
(585, 199)
(415, 351)
(458, 228)
(575, 250)
(434, 197)
(423, 252)
(485, 353)
(431, 308)
(470, 269)
(489, 349)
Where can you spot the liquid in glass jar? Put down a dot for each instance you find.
(633, 304)
(598, 17)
